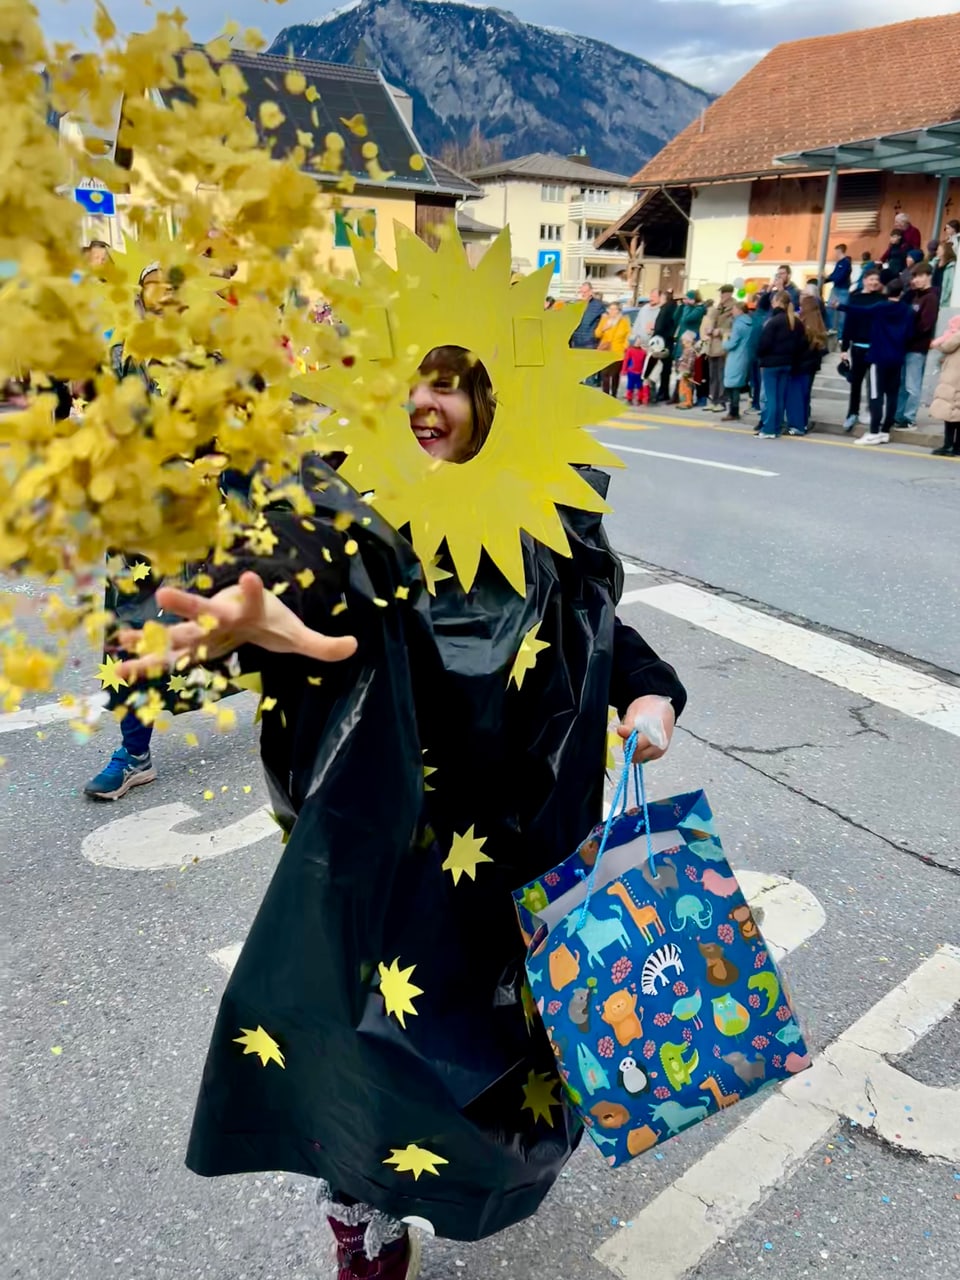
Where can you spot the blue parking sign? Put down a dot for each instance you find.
(549, 255)
(95, 200)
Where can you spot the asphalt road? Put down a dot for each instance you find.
(113, 977)
(856, 538)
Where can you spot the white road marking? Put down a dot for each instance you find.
(682, 457)
(87, 709)
(149, 840)
(851, 1079)
(792, 915)
(888, 683)
(630, 567)
(227, 957)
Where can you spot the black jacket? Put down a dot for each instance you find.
(926, 305)
(808, 359)
(361, 880)
(779, 344)
(665, 325)
(859, 322)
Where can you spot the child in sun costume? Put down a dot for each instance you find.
(377, 1031)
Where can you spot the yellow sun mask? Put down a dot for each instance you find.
(525, 469)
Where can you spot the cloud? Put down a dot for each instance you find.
(710, 43)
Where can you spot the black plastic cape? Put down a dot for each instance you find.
(360, 881)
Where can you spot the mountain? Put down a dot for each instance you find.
(529, 88)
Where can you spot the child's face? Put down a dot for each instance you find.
(688, 342)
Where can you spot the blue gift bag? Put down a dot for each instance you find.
(658, 993)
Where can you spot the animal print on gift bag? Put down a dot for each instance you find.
(660, 998)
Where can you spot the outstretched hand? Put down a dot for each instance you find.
(243, 614)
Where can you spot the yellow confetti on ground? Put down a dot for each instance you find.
(208, 795)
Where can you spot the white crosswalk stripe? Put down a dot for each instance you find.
(887, 683)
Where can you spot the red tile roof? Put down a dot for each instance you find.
(813, 93)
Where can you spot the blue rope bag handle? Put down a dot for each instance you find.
(620, 798)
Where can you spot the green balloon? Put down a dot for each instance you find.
(757, 247)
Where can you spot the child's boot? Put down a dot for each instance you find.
(370, 1245)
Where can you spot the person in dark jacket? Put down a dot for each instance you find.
(894, 257)
(690, 318)
(779, 348)
(584, 335)
(840, 278)
(890, 330)
(782, 281)
(922, 298)
(806, 366)
(665, 327)
(856, 339)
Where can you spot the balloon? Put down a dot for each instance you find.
(742, 254)
(751, 286)
(739, 282)
(746, 245)
(757, 246)
(751, 256)
(741, 293)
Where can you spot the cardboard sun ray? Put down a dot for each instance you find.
(526, 467)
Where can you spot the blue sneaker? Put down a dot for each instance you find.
(123, 772)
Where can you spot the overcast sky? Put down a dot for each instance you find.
(711, 43)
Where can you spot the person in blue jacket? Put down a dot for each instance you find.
(891, 328)
(840, 278)
(741, 351)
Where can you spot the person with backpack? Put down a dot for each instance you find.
(890, 331)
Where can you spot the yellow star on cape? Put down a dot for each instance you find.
(465, 856)
(178, 684)
(526, 659)
(428, 772)
(415, 1160)
(139, 571)
(432, 574)
(538, 1096)
(397, 990)
(108, 676)
(262, 1044)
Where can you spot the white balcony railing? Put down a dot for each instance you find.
(603, 214)
(586, 249)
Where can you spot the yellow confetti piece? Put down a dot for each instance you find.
(295, 82)
(357, 126)
(140, 571)
(279, 588)
(203, 582)
(338, 609)
(191, 740)
(247, 790)
(417, 163)
(351, 547)
(325, 552)
(208, 795)
(342, 521)
(380, 603)
(224, 788)
(267, 703)
(56, 1050)
(315, 680)
(308, 525)
(306, 578)
(370, 150)
(311, 94)
(402, 593)
(271, 117)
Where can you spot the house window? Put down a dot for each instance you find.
(552, 193)
(595, 270)
(590, 231)
(551, 231)
(594, 195)
(362, 222)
